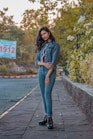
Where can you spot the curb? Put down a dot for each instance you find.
(82, 94)
(18, 76)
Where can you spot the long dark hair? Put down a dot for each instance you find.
(39, 41)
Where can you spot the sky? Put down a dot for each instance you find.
(17, 8)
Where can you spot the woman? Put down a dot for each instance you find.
(46, 59)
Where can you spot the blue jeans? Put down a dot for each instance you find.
(46, 91)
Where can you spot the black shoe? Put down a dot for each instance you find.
(49, 123)
(44, 121)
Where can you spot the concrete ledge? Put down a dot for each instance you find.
(19, 76)
(82, 94)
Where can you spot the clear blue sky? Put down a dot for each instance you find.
(17, 7)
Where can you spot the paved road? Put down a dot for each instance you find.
(12, 90)
(69, 121)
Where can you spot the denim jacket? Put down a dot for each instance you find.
(49, 53)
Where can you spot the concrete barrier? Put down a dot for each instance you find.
(82, 94)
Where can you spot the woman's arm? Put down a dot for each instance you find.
(47, 80)
(48, 65)
(37, 59)
(55, 55)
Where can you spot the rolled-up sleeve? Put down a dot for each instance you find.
(37, 58)
(55, 54)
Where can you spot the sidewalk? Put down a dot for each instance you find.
(69, 121)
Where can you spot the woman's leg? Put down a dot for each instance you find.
(48, 99)
(41, 78)
(48, 94)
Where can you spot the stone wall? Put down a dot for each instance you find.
(82, 94)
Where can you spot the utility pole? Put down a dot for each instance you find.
(77, 39)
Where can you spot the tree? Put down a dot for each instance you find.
(34, 19)
(5, 22)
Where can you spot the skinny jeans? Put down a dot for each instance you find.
(46, 90)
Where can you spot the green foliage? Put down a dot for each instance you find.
(80, 64)
(64, 26)
(30, 71)
(34, 19)
(3, 69)
(86, 69)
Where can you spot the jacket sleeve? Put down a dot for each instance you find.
(37, 58)
(55, 54)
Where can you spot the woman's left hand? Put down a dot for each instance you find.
(47, 80)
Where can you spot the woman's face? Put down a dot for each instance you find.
(45, 35)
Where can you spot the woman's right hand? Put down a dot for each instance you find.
(48, 65)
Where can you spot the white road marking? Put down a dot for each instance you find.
(11, 108)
